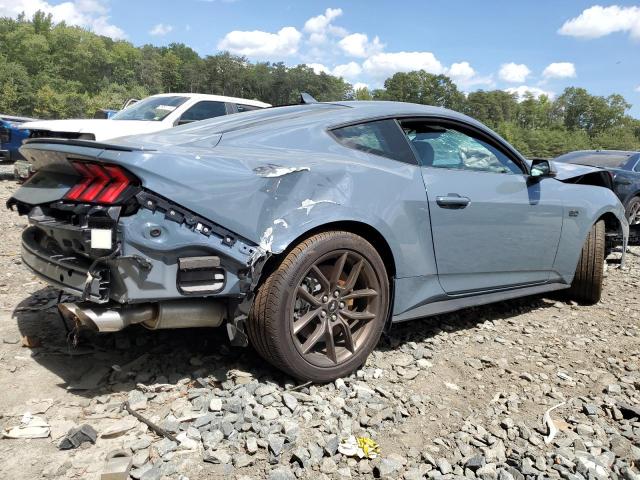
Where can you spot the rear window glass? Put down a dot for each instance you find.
(381, 137)
(203, 110)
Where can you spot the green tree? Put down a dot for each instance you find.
(425, 88)
(492, 108)
(363, 94)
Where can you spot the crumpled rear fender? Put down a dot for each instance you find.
(312, 214)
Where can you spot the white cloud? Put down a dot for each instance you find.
(638, 88)
(319, 24)
(262, 44)
(160, 29)
(464, 75)
(358, 45)
(317, 27)
(89, 14)
(462, 70)
(347, 70)
(560, 70)
(598, 21)
(360, 86)
(522, 90)
(319, 68)
(514, 72)
(383, 65)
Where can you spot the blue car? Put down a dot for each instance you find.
(11, 137)
(309, 229)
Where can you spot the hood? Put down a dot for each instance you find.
(102, 129)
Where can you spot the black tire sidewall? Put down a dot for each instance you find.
(321, 246)
(632, 202)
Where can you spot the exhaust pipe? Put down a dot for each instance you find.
(154, 316)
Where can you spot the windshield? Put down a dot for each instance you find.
(152, 109)
(596, 159)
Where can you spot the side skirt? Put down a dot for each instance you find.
(452, 304)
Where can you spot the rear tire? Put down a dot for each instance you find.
(320, 313)
(586, 287)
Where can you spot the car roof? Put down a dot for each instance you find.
(627, 153)
(13, 118)
(325, 115)
(216, 98)
(600, 158)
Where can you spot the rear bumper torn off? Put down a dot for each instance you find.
(66, 272)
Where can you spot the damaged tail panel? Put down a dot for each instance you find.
(96, 231)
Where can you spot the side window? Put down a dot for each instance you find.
(441, 147)
(381, 137)
(637, 167)
(246, 108)
(202, 111)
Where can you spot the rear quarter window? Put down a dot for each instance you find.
(380, 137)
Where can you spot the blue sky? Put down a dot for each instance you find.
(543, 46)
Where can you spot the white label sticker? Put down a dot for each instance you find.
(101, 238)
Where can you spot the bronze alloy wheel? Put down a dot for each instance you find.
(334, 309)
(321, 310)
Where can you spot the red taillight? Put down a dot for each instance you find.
(119, 181)
(99, 183)
(82, 185)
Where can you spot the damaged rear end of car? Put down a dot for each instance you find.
(129, 255)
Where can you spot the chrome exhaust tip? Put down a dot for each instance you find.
(154, 316)
(104, 319)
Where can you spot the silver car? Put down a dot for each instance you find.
(307, 230)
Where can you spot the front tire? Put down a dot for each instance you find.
(633, 211)
(322, 311)
(586, 287)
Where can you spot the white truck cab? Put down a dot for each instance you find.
(154, 113)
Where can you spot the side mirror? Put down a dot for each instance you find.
(541, 168)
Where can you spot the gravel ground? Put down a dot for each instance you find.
(457, 396)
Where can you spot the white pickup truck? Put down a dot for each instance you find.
(154, 113)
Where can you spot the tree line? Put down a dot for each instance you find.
(52, 70)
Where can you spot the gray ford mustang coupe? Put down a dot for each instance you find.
(309, 229)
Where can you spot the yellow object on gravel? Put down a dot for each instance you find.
(369, 447)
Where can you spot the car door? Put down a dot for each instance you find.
(492, 225)
(201, 111)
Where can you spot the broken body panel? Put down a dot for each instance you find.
(236, 191)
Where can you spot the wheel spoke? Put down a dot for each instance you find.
(304, 320)
(337, 270)
(335, 308)
(314, 338)
(324, 281)
(306, 296)
(330, 343)
(348, 338)
(351, 315)
(353, 276)
(365, 292)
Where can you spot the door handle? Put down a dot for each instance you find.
(453, 200)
